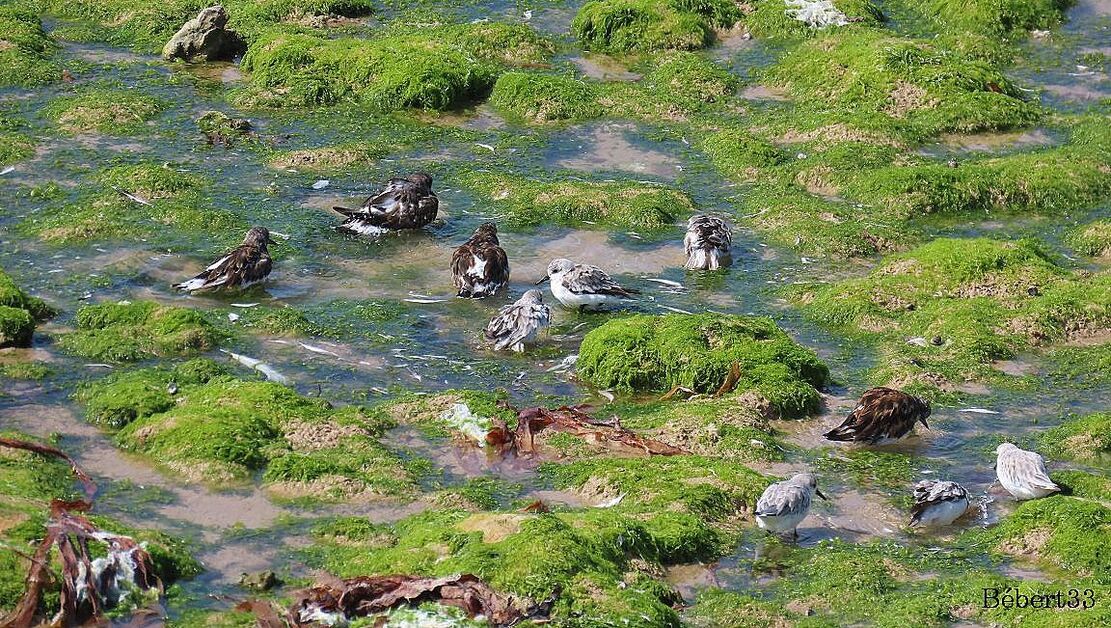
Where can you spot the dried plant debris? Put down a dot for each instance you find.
(122, 575)
(572, 420)
(333, 603)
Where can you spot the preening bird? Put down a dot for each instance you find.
(707, 243)
(245, 265)
(1023, 473)
(584, 286)
(938, 503)
(519, 324)
(883, 414)
(479, 267)
(785, 504)
(405, 203)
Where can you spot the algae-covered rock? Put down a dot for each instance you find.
(104, 110)
(544, 98)
(25, 49)
(130, 331)
(203, 425)
(18, 313)
(1085, 438)
(976, 300)
(583, 204)
(698, 351)
(1092, 239)
(204, 38)
(644, 25)
(1066, 532)
(996, 18)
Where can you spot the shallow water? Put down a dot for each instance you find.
(440, 349)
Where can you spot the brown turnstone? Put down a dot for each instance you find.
(479, 266)
(883, 414)
(707, 243)
(246, 264)
(407, 203)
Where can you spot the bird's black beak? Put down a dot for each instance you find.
(543, 280)
(924, 424)
(270, 240)
(820, 494)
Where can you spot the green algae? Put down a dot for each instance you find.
(11, 295)
(541, 98)
(974, 301)
(768, 19)
(372, 321)
(585, 204)
(995, 18)
(1067, 532)
(431, 412)
(203, 425)
(1085, 438)
(29, 371)
(879, 80)
(19, 313)
(25, 50)
(697, 351)
(105, 110)
(14, 147)
(883, 469)
(1093, 239)
(174, 198)
(688, 81)
(130, 331)
(438, 68)
(625, 26)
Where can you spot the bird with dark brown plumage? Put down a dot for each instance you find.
(479, 267)
(405, 203)
(246, 264)
(883, 414)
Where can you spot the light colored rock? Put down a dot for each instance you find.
(204, 38)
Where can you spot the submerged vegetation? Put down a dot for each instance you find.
(126, 332)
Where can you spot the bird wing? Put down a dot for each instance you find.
(593, 280)
(1031, 467)
(881, 413)
(514, 323)
(242, 264)
(782, 498)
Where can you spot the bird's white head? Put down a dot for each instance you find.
(1004, 448)
(560, 266)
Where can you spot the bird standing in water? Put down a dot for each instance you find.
(937, 503)
(784, 505)
(584, 286)
(882, 415)
(245, 265)
(1023, 473)
(479, 267)
(519, 324)
(405, 203)
(707, 243)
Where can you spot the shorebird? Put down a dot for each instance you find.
(707, 243)
(405, 203)
(583, 286)
(246, 264)
(479, 266)
(784, 504)
(1023, 472)
(883, 414)
(937, 503)
(518, 324)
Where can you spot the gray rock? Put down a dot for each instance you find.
(204, 38)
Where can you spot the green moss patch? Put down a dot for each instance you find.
(697, 351)
(1066, 532)
(174, 199)
(440, 67)
(996, 18)
(19, 313)
(1092, 239)
(972, 301)
(876, 78)
(769, 19)
(25, 50)
(576, 203)
(104, 110)
(204, 425)
(126, 332)
(1085, 438)
(371, 321)
(545, 97)
(625, 26)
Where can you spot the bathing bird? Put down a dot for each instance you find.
(583, 286)
(937, 503)
(405, 203)
(479, 266)
(520, 323)
(246, 264)
(784, 504)
(881, 415)
(1023, 473)
(707, 243)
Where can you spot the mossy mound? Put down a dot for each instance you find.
(771, 19)
(174, 199)
(541, 98)
(697, 351)
(126, 332)
(625, 26)
(330, 158)
(1092, 239)
(996, 18)
(147, 26)
(28, 482)
(204, 425)
(582, 204)
(19, 313)
(880, 81)
(440, 67)
(29, 371)
(25, 50)
(1066, 532)
(14, 147)
(109, 111)
(689, 81)
(972, 301)
(1086, 438)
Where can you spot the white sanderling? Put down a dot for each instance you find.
(519, 324)
(882, 414)
(246, 264)
(584, 286)
(479, 267)
(405, 203)
(785, 504)
(937, 503)
(707, 243)
(1023, 472)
